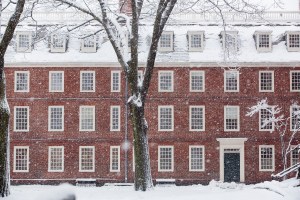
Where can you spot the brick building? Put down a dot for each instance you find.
(67, 99)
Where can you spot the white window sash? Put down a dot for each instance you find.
(159, 118)
(51, 83)
(27, 158)
(50, 148)
(112, 148)
(80, 159)
(16, 81)
(273, 158)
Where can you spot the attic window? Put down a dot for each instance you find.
(88, 44)
(293, 41)
(229, 40)
(24, 40)
(263, 41)
(195, 39)
(166, 41)
(58, 43)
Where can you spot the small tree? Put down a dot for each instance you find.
(281, 124)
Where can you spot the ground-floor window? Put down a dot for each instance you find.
(56, 159)
(115, 158)
(266, 161)
(295, 156)
(196, 158)
(87, 159)
(165, 158)
(21, 159)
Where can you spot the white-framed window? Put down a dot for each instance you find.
(231, 81)
(295, 155)
(58, 43)
(265, 114)
(21, 118)
(165, 118)
(24, 41)
(21, 159)
(56, 81)
(55, 118)
(87, 118)
(196, 158)
(263, 40)
(55, 159)
(166, 41)
(87, 81)
(295, 118)
(165, 158)
(293, 40)
(295, 81)
(115, 158)
(165, 81)
(230, 41)
(232, 118)
(266, 158)
(197, 118)
(197, 81)
(22, 81)
(196, 40)
(115, 81)
(88, 44)
(86, 158)
(266, 81)
(115, 118)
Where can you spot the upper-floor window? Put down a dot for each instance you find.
(21, 159)
(231, 80)
(266, 158)
(196, 158)
(293, 41)
(165, 158)
(86, 158)
(58, 42)
(295, 81)
(87, 118)
(21, 118)
(196, 39)
(295, 155)
(166, 41)
(88, 44)
(24, 41)
(21, 81)
(232, 118)
(165, 81)
(87, 81)
(197, 81)
(165, 118)
(115, 118)
(56, 118)
(56, 159)
(56, 81)
(266, 81)
(230, 41)
(263, 41)
(197, 118)
(115, 81)
(265, 116)
(295, 118)
(115, 158)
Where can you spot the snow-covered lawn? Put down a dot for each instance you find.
(226, 191)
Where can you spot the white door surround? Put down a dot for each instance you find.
(232, 143)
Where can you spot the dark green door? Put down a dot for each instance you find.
(231, 167)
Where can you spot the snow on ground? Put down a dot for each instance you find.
(215, 190)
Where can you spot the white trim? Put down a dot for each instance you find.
(172, 80)
(273, 81)
(62, 49)
(190, 34)
(94, 81)
(110, 168)
(190, 118)
(21, 147)
(263, 49)
(259, 118)
(49, 158)
(119, 118)
(232, 143)
(49, 118)
(292, 49)
(93, 49)
(111, 81)
(63, 81)
(273, 158)
(291, 72)
(291, 116)
(237, 78)
(22, 49)
(167, 49)
(172, 120)
(28, 81)
(23, 130)
(203, 77)
(80, 155)
(238, 118)
(80, 114)
(172, 166)
(203, 158)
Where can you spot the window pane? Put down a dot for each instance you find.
(21, 118)
(115, 118)
(265, 114)
(166, 81)
(22, 81)
(166, 118)
(166, 158)
(266, 81)
(56, 158)
(295, 81)
(87, 159)
(87, 81)
(263, 41)
(115, 81)
(197, 81)
(87, 118)
(231, 81)
(196, 158)
(56, 81)
(114, 159)
(21, 159)
(294, 40)
(56, 118)
(197, 118)
(266, 158)
(232, 118)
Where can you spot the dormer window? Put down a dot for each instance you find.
(166, 41)
(230, 41)
(196, 39)
(263, 41)
(58, 43)
(88, 44)
(24, 41)
(293, 41)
